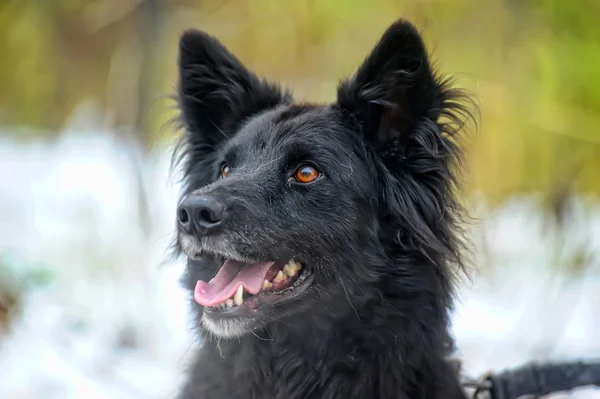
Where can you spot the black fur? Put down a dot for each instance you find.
(380, 230)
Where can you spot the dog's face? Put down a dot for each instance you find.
(285, 205)
(292, 185)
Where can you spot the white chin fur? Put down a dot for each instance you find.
(226, 328)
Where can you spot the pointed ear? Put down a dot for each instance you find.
(216, 92)
(395, 87)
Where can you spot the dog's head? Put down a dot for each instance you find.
(293, 207)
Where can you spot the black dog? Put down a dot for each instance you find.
(322, 239)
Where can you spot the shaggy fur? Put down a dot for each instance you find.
(379, 230)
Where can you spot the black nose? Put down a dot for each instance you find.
(198, 214)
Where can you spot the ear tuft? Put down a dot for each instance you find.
(216, 91)
(395, 86)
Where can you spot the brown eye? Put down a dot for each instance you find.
(306, 174)
(224, 171)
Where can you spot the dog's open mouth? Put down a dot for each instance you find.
(249, 285)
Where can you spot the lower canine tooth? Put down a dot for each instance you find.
(279, 277)
(229, 302)
(266, 284)
(238, 297)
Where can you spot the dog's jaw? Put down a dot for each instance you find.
(232, 301)
(227, 328)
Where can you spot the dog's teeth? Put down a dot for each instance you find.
(266, 285)
(229, 302)
(291, 269)
(238, 297)
(280, 277)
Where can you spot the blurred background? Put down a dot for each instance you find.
(90, 305)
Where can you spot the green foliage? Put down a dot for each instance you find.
(532, 65)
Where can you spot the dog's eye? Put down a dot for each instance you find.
(224, 170)
(306, 174)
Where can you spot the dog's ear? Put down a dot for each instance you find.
(394, 89)
(216, 91)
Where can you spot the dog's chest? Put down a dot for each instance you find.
(263, 370)
(294, 371)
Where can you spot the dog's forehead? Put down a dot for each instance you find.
(289, 125)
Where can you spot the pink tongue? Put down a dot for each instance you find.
(231, 275)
